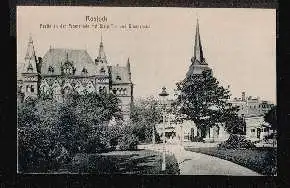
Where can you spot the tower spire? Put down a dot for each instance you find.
(129, 68)
(128, 64)
(198, 52)
(102, 54)
(30, 53)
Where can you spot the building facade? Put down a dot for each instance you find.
(253, 110)
(61, 71)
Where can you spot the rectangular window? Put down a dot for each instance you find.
(27, 88)
(32, 88)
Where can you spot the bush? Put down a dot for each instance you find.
(128, 142)
(270, 136)
(236, 141)
(196, 139)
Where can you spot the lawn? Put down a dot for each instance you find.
(122, 162)
(261, 160)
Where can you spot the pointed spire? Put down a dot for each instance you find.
(102, 54)
(128, 65)
(30, 53)
(66, 56)
(198, 53)
(129, 68)
(128, 62)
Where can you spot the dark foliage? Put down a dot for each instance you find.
(205, 102)
(51, 133)
(271, 117)
(123, 162)
(128, 142)
(261, 160)
(236, 141)
(145, 114)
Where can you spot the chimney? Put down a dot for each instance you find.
(243, 96)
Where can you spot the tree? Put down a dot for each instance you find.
(145, 114)
(50, 133)
(205, 102)
(93, 112)
(271, 118)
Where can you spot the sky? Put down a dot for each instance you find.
(238, 44)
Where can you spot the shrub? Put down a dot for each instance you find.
(270, 136)
(128, 142)
(236, 141)
(196, 139)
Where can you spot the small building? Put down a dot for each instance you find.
(253, 110)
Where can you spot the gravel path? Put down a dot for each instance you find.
(192, 163)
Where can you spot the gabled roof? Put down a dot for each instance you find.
(121, 72)
(58, 56)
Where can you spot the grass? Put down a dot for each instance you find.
(261, 160)
(122, 162)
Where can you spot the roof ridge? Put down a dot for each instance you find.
(76, 49)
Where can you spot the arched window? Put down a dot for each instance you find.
(102, 70)
(84, 71)
(102, 89)
(68, 68)
(50, 69)
(29, 68)
(118, 77)
(32, 88)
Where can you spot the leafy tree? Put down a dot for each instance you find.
(271, 118)
(50, 133)
(145, 114)
(205, 102)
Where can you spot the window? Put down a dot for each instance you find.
(50, 69)
(68, 68)
(114, 91)
(84, 71)
(118, 77)
(27, 88)
(102, 71)
(29, 68)
(32, 89)
(253, 130)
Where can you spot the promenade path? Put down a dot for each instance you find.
(192, 163)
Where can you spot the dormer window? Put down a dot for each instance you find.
(102, 71)
(50, 69)
(118, 77)
(68, 69)
(29, 68)
(84, 71)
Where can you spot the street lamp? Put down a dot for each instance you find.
(163, 95)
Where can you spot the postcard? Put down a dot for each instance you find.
(143, 90)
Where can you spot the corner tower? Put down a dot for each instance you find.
(30, 74)
(103, 80)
